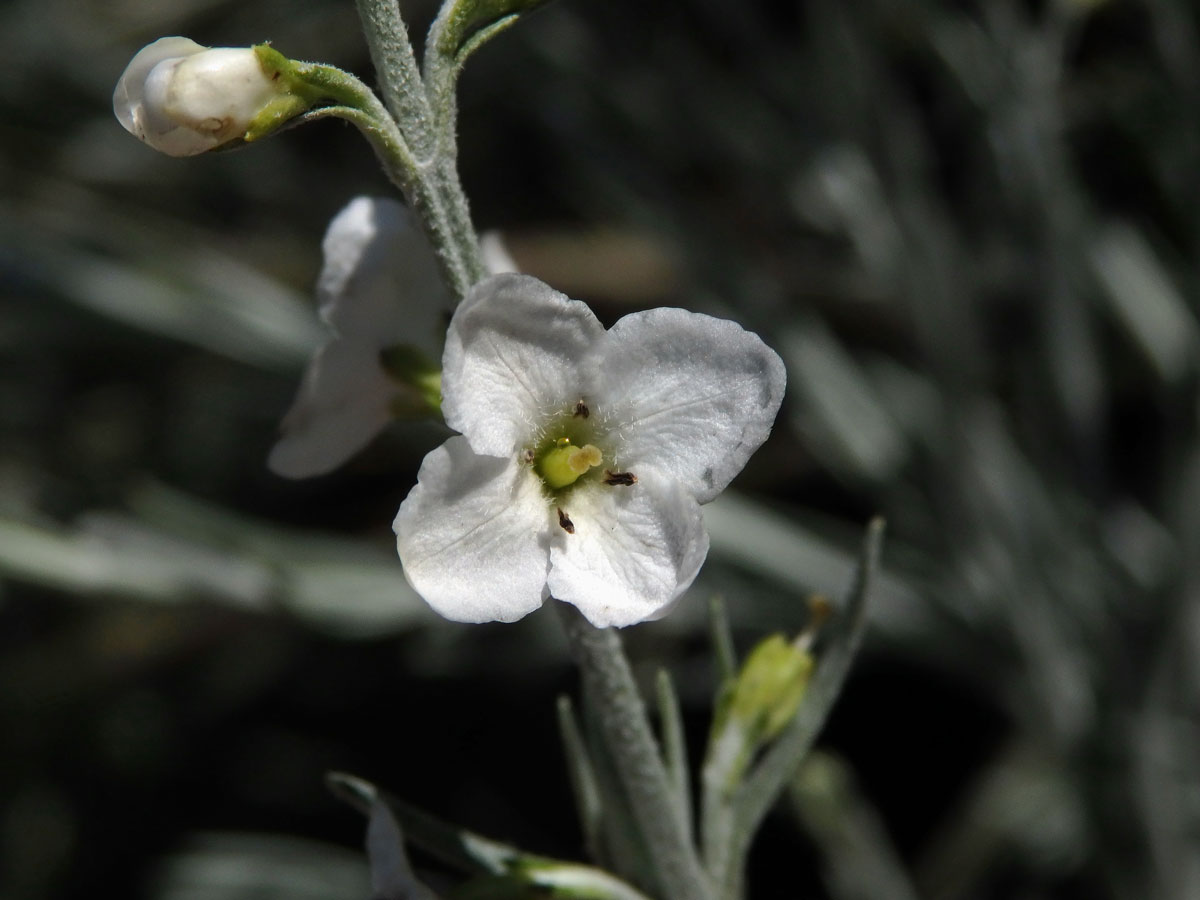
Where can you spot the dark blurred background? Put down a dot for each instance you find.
(971, 230)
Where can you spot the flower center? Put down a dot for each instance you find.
(562, 462)
(565, 453)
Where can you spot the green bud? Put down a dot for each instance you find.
(757, 705)
(770, 687)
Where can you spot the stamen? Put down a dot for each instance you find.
(619, 478)
(564, 521)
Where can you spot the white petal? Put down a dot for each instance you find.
(217, 92)
(129, 96)
(691, 395)
(343, 402)
(183, 99)
(511, 358)
(473, 535)
(635, 550)
(380, 281)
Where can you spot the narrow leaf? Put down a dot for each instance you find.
(464, 25)
(833, 665)
(392, 876)
(674, 746)
(454, 846)
(773, 772)
(722, 639)
(589, 803)
(859, 858)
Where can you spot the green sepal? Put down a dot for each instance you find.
(296, 96)
(277, 113)
(302, 86)
(407, 365)
(295, 77)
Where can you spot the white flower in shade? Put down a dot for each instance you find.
(182, 98)
(584, 455)
(379, 290)
(382, 296)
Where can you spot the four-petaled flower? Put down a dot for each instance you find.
(584, 455)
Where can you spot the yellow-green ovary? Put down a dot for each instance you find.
(563, 463)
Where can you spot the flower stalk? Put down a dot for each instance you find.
(399, 76)
(610, 691)
(428, 177)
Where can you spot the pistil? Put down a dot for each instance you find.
(563, 463)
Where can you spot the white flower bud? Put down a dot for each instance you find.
(182, 98)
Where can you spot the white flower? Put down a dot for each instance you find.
(182, 98)
(584, 455)
(379, 292)
(379, 288)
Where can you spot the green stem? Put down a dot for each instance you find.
(399, 76)
(458, 220)
(451, 235)
(718, 822)
(610, 691)
(440, 75)
(427, 174)
(367, 114)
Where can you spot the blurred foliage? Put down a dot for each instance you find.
(971, 228)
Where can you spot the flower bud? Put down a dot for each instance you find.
(757, 705)
(182, 98)
(770, 687)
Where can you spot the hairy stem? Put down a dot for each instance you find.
(610, 690)
(426, 173)
(399, 75)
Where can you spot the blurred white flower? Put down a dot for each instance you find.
(584, 455)
(383, 297)
(182, 98)
(379, 288)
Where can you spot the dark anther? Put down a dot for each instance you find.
(581, 409)
(622, 478)
(565, 522)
